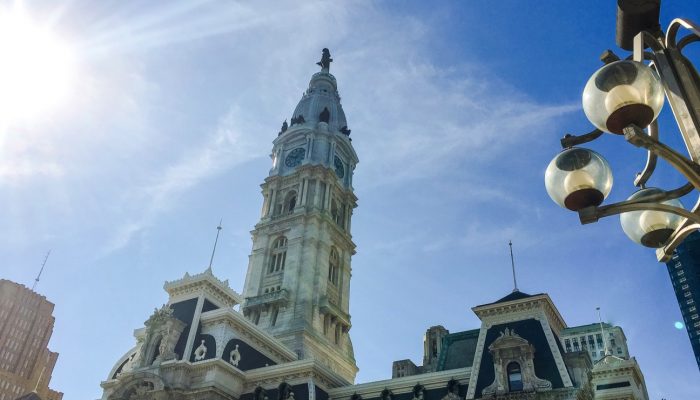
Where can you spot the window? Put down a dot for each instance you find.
(333, 267)
(599, 339)
(619, 350)
(515, 377)
(567, 343)
(336, 213)
(290, 202)
(685, 286)
(273, 318)
(338, 331)
(278, 255)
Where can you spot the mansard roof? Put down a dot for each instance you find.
(515, 295)
(458, 350)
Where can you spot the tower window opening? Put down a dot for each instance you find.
(336, 213)
(333, 267)
(338, 331)
(290, 202)
(278, 255)
(515, 377)
(273, 319)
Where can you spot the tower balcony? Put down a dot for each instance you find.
(277, 297)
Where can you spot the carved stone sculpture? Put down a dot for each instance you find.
(200, 352)
(326, 59)
(235, 357)
(284, 128)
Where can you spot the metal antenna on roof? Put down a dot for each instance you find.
(512, 263)
(602, 333)
(41, 270)
(218, 230)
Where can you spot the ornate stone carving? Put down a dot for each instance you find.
(386, 394)
(418, 392)
(235, 357)
(452, 390)
(162, 333)
(200, 352)
(507, 348)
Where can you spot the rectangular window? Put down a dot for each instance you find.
(687, 294)
(275, 312)
(685, 286)
(681, 280)
(690, 301)
(599, 339)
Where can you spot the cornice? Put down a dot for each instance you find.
(288, 372)
(190, 284)
(403, 385)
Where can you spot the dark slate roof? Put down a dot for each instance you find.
(458, 350)
(29, 396)
(516, 295)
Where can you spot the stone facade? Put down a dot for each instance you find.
(298, 282)
(26, 324)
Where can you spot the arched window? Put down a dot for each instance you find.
(336, 213)
(333, 267)
(290, 202)
(515, 377)
(278, 255)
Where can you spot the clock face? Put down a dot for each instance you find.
(339, 168)
(295, 157)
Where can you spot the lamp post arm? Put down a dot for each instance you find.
(593, 214)
(570, 140)
(642, 177)
(688, 168)
(673, 31)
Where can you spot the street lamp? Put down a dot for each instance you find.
(624, 98)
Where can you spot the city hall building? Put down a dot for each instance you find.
(289, 339)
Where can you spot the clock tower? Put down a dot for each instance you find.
(298, 281)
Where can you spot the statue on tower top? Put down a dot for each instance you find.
(326, 60)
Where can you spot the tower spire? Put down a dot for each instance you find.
(512, 264)
(218, 230)
(602, 333)
(36, 281)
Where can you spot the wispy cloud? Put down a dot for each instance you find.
(225, 148)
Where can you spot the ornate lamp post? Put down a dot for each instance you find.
(624, 97)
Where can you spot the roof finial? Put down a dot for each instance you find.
(218, 230)
(41, 270)
(512, 263)
(602, 333)
(326, 60)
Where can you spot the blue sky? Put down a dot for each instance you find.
(456, 108)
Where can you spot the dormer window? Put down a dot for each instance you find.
(515, 377)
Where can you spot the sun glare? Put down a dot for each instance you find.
(36, 69)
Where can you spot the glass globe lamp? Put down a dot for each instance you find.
(623, 93)
(650, 228)
(578, 178)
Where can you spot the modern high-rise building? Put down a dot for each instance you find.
(684, 270)
(596, 340)
(290, 340)
(26, 325)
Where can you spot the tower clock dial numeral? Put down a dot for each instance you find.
(339, 168)
(295, 157)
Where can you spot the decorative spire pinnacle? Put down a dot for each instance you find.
(36, 281)
(218, 230)
(326, 60)
(512, 263)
